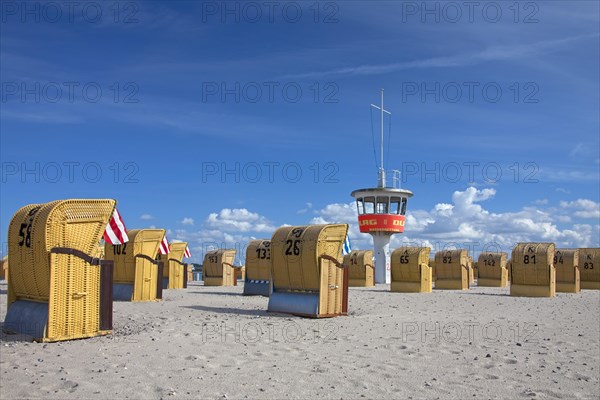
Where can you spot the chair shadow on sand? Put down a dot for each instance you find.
(217, 293)
(368, 289)
(238, 311)
(13, 337)
(469, 292)
(486, 294)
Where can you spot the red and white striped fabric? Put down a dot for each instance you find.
(187, 253)
(164, 246)
(115, 232)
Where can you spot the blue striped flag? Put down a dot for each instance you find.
(347, 248)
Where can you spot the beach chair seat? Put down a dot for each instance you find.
(361, 271)
(308, 275)
(410, 270)
(218, 268)
(451, 268)
(135, 276)
(589, 268)
(258, 268)
(470, 269)
(57, 289)
(190, 273)
(240, 273)
(532, 270)
(566, 263)
(491, 269)
(4, 268)
(174, 269)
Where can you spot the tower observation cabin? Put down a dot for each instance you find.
(382, 210)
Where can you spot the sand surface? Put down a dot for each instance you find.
(206, 342)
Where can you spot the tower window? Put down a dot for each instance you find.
(395, 205)
(369, 205)
(360, 205)
(382, 204)
(403, 211)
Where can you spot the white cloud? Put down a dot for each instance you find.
(462, 222)
(563, 218)
(187, 221)
(146, 217)
(305, 210)
(226, 229)
(584, 208)
(443, 209)
(587, 151)
(490, 54)
(338, 213)
(588, 214)
(466, 223)
(238, 219)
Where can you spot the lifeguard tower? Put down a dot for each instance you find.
(382, 210)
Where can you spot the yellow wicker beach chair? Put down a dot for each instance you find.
(135, 276)
(361, 272)
(532, 270)
(240, 273)
(174, 270)
(471, 272)
(566, 263)
(589, 268)
(4, 268)
(190, 273)
(410, 270)
(57, 290)
(218, 268)
(308, 276)
(258, 268)
(451, 269)
(491, 269)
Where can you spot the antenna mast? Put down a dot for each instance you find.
(381, 177)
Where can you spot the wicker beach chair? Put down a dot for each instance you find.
(532, 270)
(57, 289)
(361, 271)
(135, 276)
(308, 276)
(451, 268)
(410, 270)
(258, 268)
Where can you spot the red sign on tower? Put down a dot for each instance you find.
(381, 223)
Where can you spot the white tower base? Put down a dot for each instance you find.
(381, 245)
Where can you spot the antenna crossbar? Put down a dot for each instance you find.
(379, 108)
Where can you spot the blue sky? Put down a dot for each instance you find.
(221, 121)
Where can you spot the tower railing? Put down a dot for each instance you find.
(382, 182)
(395, 179)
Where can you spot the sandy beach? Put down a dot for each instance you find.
(207, 342)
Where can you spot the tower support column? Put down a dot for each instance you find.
(381, 245)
